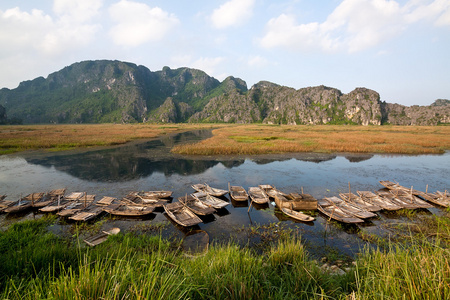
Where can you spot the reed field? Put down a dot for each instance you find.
(233, 139)
(15, 138)
(262, 139)
(37, 264)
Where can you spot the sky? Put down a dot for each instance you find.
(401, 49)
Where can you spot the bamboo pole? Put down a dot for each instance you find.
(349, 193)
(250, 206)
(426, 189)
(412, 199)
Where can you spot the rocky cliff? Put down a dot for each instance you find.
(3, 117)
(114, 91)
(273, 104)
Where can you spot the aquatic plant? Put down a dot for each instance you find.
(257, 139)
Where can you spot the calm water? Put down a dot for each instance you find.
(150, 166)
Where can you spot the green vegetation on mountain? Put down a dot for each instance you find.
(106, 91)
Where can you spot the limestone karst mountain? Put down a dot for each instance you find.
(114, 91)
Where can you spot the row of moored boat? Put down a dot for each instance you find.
(349, 208)
(355, 208)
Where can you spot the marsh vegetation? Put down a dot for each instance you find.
(235, 139)
(16, 138)
(264, 139)
(37, 264)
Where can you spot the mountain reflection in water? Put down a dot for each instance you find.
(140, 160)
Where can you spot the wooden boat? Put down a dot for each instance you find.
(181, 214)
(87, 213)
(257, 195)
(302, 201)
(18, 206)
(395, 200)
(155, 194)
(297, 215)
(5, 203)
(55, 206)
(106, 201)
(101, 237)
(281, 201)
(126, 210)
(271, 191)
(42, 201)
(445, 196)
(406, 196)
(395, 186)
(359, 202)
(294, 201)
(209, 190)
(237, 193)
(70, 209)
(136, 198)
(436, 198)
(74, 196)
(372, 198)
(196, 205)
(349, 208)
(335, 213)
(56, 193)
(49, 198)
(210, 200)
(391, 185)
(34, 197)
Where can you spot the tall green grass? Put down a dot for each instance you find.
(129, 266)
(417, 268)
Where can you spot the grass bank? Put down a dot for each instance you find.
(233, 139)
(15, 138)
(263, 139)
(129, 266)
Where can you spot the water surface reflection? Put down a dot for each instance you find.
(150, 165)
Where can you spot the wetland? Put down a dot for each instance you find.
(254, 253)
(150, 165)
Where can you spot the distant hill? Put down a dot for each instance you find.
(114, 91)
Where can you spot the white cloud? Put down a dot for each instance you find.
(232, 13)
(137, 23)
(19, 29)
(34, 41)
(353, 26)
(37, 31)
(79, 11)
(437, 11)
(284, 32)
(207, 64)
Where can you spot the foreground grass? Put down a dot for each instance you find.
(148, 267)
(64, 137)
(262, 139)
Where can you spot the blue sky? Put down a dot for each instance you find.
(401, 49)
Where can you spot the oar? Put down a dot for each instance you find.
(250, 206)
